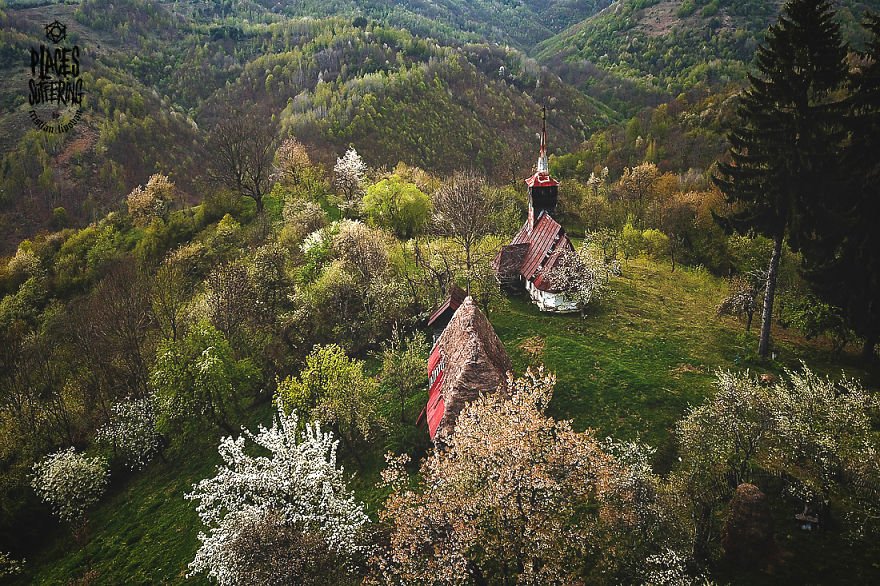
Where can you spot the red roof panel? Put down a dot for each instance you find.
(540, 281)
(436, 407)
(542, 239)
(541, 179)
(452, 302)
(435, 415)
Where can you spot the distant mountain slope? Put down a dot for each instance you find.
(158, 74)
(398, 97)
(521, 23)
(673, 45)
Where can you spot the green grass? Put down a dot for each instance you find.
(630, 369)
(634, 364)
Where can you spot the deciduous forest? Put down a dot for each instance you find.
(278, 307)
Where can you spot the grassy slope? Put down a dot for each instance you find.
(635, 364)
(629, 369)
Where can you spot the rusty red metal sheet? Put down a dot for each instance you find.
(452, 302)
(541, 179)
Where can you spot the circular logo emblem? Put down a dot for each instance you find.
(56, 32)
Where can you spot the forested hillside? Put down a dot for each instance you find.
(521, 23)
(278, 307)
(674, 45)
(160, 75)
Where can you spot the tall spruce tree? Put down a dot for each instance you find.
(842, 253)
(787, 136)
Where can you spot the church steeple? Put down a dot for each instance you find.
(543, 189)
(543, 164)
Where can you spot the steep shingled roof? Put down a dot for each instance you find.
(546, 241)
(473, 361)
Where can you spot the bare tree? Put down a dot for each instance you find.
(109, 333)
(230, 296)
(171, 290)
(242, 149)
(462, 212)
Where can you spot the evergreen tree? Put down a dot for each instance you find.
(788, 134)
(842, 256)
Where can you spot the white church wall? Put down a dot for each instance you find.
(551, 302)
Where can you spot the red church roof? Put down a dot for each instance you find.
(547, 240)
(541, 281)
(541, 179)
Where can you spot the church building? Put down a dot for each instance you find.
(538, 245)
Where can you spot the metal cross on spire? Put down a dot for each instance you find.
(543, 164)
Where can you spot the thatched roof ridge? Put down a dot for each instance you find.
(475, 361)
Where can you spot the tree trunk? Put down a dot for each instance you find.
(769, 294)
(749, 321)
(868, 347)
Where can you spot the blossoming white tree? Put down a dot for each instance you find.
(349, 174)
(813, 433)
(132, 431)
(152, 200)
(515, 498)
(70, 483)
(582, 275)
(295, 490)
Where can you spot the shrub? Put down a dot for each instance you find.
(132, 432)
(70, 483)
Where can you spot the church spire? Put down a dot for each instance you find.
(543, 165)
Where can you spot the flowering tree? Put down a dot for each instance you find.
(152, 200)
(349, 175)
(364, 250)
(70, 483)
(824, 435)
(291, 161)
(742, 299)
(636, 186)
(813, 433)
(669, 568)
(597, 183)
(291, 504)
(10, 566)
(637, 512)
(132, 432)
(581, 275)
(515, 497)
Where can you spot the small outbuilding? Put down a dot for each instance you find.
(441, 317)
(467, 359)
